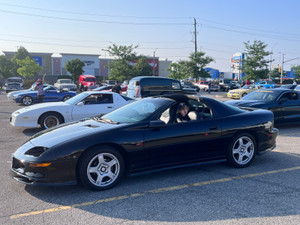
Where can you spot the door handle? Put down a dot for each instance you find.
(109, 107)
(213, 128)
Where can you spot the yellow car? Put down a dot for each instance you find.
(239, 93)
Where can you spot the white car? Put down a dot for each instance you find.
(86, 104)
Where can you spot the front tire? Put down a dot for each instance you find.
(101, 168)
(27, 100)
(243, 95)
(49, 120)
(242, 150)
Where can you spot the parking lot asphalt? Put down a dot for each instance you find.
(267, 192)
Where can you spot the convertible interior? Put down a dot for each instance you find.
(197, 111)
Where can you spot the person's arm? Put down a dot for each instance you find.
(43, 79)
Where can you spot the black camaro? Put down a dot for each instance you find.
(284, 103)
(144, 136)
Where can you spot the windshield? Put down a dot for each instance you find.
(90, 79)
(66, 81)
(137, 111)
(247, 87)
(262, 95)
(103, 88)
(77, 98)
(19, 80)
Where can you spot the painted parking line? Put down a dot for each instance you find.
(159, 190)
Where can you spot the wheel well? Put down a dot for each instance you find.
(39, 120)
(115, 146)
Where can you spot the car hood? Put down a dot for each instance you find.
(26, 93)
(45, 106)
(247, 103)
(68, 132)
(239, 90)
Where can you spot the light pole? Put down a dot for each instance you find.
(154, 62)
(281, 76)
(271, 60)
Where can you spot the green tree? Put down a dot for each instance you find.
(21, 54)
(179, 70)
(120, 68)
(194, 67)
(296, 70)
(142, 68)
(198, 61)
(123, 52)
(28, 67)
(74, 67)
(127, 63)
(6, 67)
(255, 63)
(275, 73)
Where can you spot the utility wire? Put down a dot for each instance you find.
(247, 28)
(59, 39)
(78, 46)
(94, 21)
(95, 14)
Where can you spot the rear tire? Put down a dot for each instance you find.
(242, 150)
(101, 168)
(50, 119)
(66, 97)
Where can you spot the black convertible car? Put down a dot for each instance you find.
(284, 103)
(141, 137)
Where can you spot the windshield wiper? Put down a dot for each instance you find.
(99, 119)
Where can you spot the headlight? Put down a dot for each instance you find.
(15, 96)
(36, 151)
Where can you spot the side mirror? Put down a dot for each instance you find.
(282, 100)
(156, 124)
(80, 104)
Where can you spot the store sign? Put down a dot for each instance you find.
(89, 62)
(37, 59)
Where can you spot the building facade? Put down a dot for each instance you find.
(55, 64)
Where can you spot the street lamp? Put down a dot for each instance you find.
(154, 62)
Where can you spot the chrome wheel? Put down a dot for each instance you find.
(243, 150)
(27, 100)
(50, 121)
(103, 169)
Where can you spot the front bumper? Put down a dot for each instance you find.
(23, 172)
(230, 95)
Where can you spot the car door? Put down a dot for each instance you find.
(50, 94)
(93, 105)
(186, 142)
(289, 103)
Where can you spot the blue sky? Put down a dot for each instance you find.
(163, 26)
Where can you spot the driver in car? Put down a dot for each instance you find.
(182, 113)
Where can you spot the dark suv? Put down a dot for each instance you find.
(153, 86)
